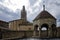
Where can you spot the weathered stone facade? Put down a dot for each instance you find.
(22, 28)
(48, 22)
(20, 25)
(4, 24)
(45, 19)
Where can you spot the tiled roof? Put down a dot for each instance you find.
(44, 14)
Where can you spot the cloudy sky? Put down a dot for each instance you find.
(11, 9)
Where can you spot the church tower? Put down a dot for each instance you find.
(23, 13)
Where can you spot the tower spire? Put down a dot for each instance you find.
(23, 7)
(23, 13)
(43, 7)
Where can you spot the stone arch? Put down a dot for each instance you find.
(54, 30)
(36, 32)
(44, 33)
(36, 27)
(44, 26)
(53, 26)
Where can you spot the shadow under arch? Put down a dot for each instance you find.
(53, 26)
(36, 30)
(44, 33)
(36, 27)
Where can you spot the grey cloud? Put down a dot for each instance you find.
(5, 14)
(58, 4)
(32, 2)
(2, 0)
(32, 16)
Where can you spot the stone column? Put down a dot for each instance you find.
(39, 32)
(34, 34)
(49, 32)
(0, 33)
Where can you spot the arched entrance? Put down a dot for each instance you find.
(44, 30)
(54, 30)
(36, 29)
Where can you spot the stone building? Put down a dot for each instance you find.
(47, 21)
(43, 20)
(43, 26)
(21, 24)
(4, 24)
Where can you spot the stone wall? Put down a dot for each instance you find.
(20, 25)
(58, 31)
(8, 34)
(16, 34)
(48, 21)
(4, 24)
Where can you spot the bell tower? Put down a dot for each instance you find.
(23, 13)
